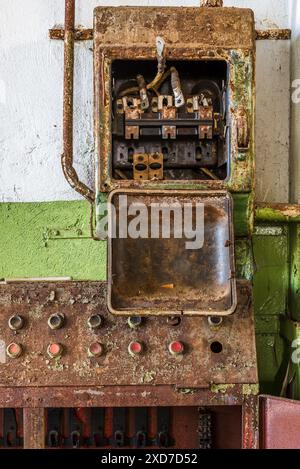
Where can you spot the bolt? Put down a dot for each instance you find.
(14, 350)
(56, 321)
(15, 322)
(134, 321)
(215, 320)
(94, 321)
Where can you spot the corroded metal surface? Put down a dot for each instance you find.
(208, 34)
(274, 34)
(217, 27)
(211, 3)
(198, 367)
(159, 276)
(81, 34)
(277, 213)
(124, 396)
(34, 428)
(250, 434)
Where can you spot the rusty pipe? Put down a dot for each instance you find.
(67, 156)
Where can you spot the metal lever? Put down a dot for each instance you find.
(160, 49)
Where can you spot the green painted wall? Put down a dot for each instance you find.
(270, 290)
(49, 240)
(52, 239)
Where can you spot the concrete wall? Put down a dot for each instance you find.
(31, 99)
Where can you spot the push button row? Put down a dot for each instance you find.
(96, 349)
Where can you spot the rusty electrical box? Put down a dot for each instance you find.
(174, 97)
(169, 337)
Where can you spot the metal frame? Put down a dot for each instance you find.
(36, 401)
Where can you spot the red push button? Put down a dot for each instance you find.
(55, 350)
(14, 350)
(95, 350)
(176, 347)
(135, 348)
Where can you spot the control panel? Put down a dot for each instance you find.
(58, 334)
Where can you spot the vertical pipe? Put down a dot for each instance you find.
(68, 76)
(67, 156)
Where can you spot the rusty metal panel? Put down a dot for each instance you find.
(124, 396)
(162, 276)
(279, 423)
(232, 28)
(199, 365)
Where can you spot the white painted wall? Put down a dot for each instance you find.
(295, 108)
(31, 76)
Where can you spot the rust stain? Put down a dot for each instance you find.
(81, 34)
(285, 210)
(274, 34)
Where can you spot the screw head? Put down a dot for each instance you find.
(55, 350)
(14, 350)
(56, 321)
(134, 321)
(15, 322)
(94, 321)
